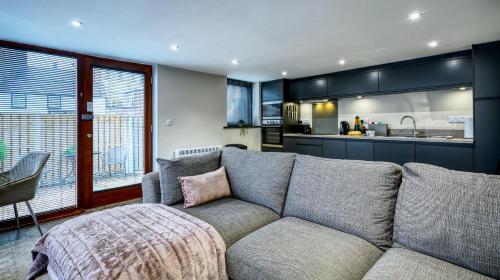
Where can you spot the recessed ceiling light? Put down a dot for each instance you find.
(359, 97)
(415, 16)
(77, 23)
(284, 73)
(462, 88)
(235, 61)
(175, 47)
(342, 61)
(433, 44)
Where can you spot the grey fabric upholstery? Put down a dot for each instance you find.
(257, 177)
(232, 218)
(451, 215)
(151, 191)
(291, 248)
(20, 183)
(171, 170)
(356, 197)
(402, 264)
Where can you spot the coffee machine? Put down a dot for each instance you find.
(344, 128)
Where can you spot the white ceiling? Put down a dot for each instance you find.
(267, 36)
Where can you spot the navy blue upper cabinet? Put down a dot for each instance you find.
(308, 89)
(487, 71)
(273, 90)
(427, 74)
(352, 83)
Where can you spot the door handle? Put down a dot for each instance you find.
(89, 135)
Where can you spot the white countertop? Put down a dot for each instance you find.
(387, 138)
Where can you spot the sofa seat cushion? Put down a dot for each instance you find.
(257, 177)
(450, 215)
(356, 197)
(401, 264)
(232, 218)
(292, 248)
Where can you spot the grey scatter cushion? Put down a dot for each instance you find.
(451, 215)
(356, 197)
(258, 177)
(171, 170)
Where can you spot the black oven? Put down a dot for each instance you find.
(272, 110)
(272, 136)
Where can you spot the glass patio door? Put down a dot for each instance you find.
(119, 135)
(38, 112)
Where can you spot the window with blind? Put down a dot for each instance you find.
(38, 94)
(118, 128)
(239, 102)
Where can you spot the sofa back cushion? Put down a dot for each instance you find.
(171, 170)
(258, 177)
(450, 215)
(356, 197)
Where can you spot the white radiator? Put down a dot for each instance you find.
(195, 151)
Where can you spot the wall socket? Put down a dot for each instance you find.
(457, 119)
(169, 122)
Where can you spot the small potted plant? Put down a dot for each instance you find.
(2, 153)
(243, 127)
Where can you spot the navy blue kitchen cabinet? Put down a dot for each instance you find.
(359, 149)
(352, 83)
(394, 151)
(304, 146)
(487, 70)
(452, 156)
(273, 90)
(305, 89)
(487, 135)
(427, 74)
(334, 148)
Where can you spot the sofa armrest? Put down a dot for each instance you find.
(151, 192)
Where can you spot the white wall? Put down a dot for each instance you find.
(306, 113)
(430, 109)
(196, 103)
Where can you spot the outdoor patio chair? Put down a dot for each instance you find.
(115, 156)
(20, 183)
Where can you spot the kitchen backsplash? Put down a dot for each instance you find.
(431, 109)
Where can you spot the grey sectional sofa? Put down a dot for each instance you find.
(301, 217)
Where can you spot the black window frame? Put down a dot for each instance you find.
(25, 102)
(249, 86)
(50, 108)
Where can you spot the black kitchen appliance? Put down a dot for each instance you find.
(344, 128)
(272, 110)
(300, 128)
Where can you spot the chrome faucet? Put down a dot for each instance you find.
(415, 132)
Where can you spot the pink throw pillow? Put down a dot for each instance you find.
(206, 187)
